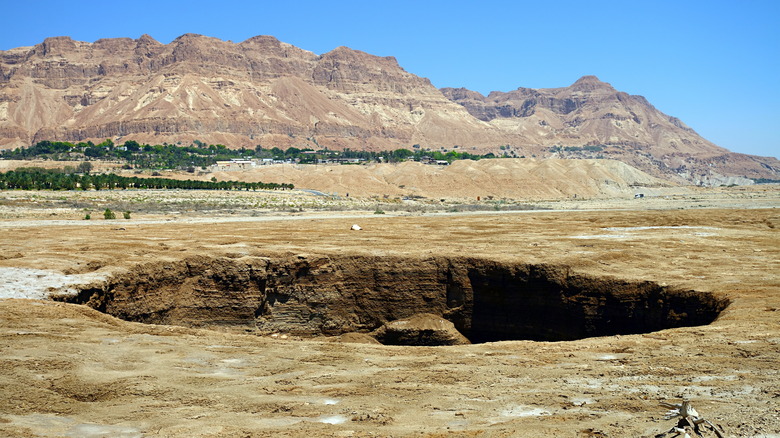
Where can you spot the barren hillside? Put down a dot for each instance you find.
(265, 92)
(505, 178)
(590, 119)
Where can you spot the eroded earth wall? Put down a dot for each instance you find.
(312, 295)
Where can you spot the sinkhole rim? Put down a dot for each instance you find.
(330, 295)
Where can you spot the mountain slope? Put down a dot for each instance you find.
(506, 178)
(590, 118)
(265, 92)
(258, 91)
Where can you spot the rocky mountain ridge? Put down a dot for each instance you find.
(265, 92)
(591, 119)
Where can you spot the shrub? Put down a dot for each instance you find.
(108, 214)
(126, 215)
(87, 217)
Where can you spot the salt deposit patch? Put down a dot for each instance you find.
(38, 284)
(277, 422)
(606, 357)
(332, 419)
(600, 236)
(635, 232)
(668, 227)
(524, 411)
(711, 378)
(98, 430)
(582, 401)
(55, 426)
(518, 411)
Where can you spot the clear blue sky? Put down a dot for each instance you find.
(713, 64)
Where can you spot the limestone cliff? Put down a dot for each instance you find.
(259, 91)
(264, 92)
(591, 119)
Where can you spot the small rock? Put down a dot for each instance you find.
(420, 329)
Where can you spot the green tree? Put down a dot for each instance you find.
(401, 154)
(107, 144)
(84, 167)
(85, 182)
(94, 152)
(132, 146)
(292, 151)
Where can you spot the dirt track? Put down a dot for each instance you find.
(68, 370)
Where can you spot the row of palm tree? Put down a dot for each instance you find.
(57, 179)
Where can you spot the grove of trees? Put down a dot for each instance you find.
(33, 178)
(199, 154)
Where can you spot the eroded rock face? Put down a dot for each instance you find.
(596, 120)
(319, 295)
(197, 291)
(259, 91)
(263, 91)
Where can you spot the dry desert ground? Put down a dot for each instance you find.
(241, 320)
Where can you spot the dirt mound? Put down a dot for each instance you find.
(501, 178)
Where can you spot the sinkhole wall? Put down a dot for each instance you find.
(331, 295)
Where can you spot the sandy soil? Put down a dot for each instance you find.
(526, 178)
(68, 370)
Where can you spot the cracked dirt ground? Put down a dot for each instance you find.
(69, 370)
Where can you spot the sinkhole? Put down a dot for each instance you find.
(315, 295)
